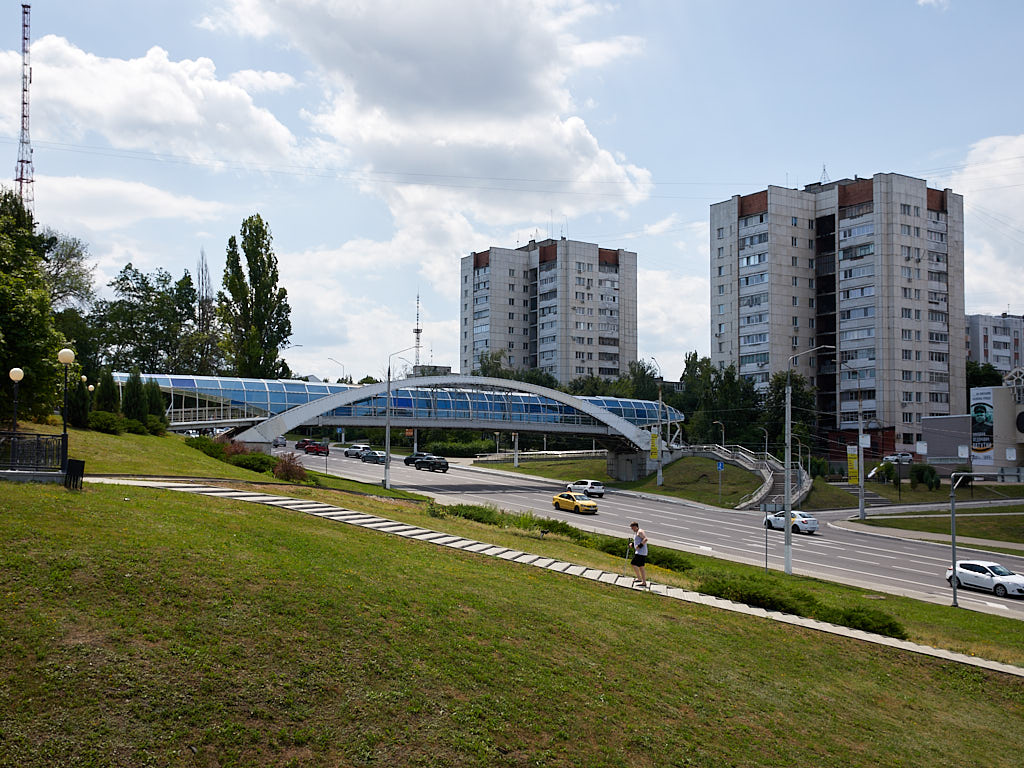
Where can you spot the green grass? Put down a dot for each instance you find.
(823, 495)
(980, 491)
(1003, 524)
(692, 478)
(170, 629)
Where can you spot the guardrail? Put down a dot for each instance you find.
(32, 453)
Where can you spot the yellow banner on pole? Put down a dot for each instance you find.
(851, 464)
(654, 446)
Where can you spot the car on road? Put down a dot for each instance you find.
(412, 458)
(373, 457)
(987, 575)
(318, 449)
(802, 522)
(900, 457)
(575, 502)
(356, 449)
(279, 442)
(433, 463)
(587, 487)
(301, 444)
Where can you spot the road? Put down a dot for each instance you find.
(885, 565)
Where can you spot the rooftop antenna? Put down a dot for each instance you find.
(824, 176)
(23, 171)
(417, 330)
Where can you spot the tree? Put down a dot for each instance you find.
(155, 405)
(78, 406)
(134, 404)
(67, 272)
(254, 310)
(802, 408)
(983, 375)
(107, 396)
(28, 337)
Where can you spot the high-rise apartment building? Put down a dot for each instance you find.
(872, 267)
(563, 306)
(995, 339)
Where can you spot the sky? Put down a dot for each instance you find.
(382, 141)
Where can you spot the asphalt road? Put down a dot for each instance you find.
(885, 565)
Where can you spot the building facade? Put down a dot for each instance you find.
(870, 267)
(995, 339)
(562, 306)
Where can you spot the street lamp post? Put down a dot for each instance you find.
(661, 460)
(65, 357)
(497, 444)
(341, 364)
(387, 423)
(16, 375)
(765, 430)
(789, 454)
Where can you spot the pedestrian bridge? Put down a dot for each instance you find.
(271, 407)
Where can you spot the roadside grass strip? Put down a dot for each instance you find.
(385, 525)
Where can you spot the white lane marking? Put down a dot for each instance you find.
(996, 605)
(857, 560)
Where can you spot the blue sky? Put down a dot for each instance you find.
(383, 141)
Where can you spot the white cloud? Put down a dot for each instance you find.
(663, 226)
(73, 202)
(672, 317)
(253, 81)
(150, 103)
(992, 184)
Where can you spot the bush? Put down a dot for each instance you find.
(234, 449)
(760, 592)
(924, 474)
(464, 450)
(105, 421)
(135, 426)
(819, 467)
(289, 469)
(865, 619)
(257, 462)
(155, 425)
(212, 449)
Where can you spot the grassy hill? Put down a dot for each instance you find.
(144, 627)
(148, 627)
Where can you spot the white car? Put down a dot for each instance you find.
(802, 522)
(986, 575)
(355, 450)
(589, 487)
(902, 457)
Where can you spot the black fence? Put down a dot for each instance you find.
(32, 453)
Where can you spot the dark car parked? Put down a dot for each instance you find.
(433, 463)
(318, 449)
(412, 458)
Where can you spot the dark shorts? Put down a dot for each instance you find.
(639, 560)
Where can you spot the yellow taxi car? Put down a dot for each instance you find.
(575, 502)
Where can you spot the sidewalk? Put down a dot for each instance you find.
(438, 538)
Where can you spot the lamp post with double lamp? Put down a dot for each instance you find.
(789, 454)
(387, 423)
(860, 438)
(661, 461)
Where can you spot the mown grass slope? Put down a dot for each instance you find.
(145, 627)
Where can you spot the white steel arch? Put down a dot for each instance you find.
(285, 421)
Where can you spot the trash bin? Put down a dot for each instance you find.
(74, 474)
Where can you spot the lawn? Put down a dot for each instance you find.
(1000, 524)
(692, 478)
(144, 627)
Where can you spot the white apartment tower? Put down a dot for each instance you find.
(563, 306)
(995, 339)
(872, 267)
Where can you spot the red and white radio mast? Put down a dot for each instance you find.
(24, 171)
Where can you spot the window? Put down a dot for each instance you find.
(793, 242)
(794, 220)
(721, 290)
(796, 321)
(796, 281)
(720, 251)
(796, 301)
(721, 233)
(906, 313)
(908, 354)
(721, 309)
(905, 209)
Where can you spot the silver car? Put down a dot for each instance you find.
(802, 522)
(279, 442)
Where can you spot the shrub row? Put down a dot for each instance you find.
(114, 424)
(285, 467)
(465, 450)
(773, 595)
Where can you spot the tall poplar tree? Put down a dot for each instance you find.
(252, 307)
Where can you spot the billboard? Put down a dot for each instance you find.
(982, 443)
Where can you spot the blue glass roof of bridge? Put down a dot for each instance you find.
(274, 396)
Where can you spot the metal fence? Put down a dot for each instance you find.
(31, 453)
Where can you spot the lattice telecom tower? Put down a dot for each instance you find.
(417, 330)
(24, 171)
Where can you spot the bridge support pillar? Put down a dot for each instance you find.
(632, 465)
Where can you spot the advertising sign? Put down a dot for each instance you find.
(654, 446)
(982, 444)
(851, 464)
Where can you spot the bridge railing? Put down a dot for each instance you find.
(223, 412)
